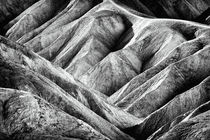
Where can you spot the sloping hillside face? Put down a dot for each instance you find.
(105, 70)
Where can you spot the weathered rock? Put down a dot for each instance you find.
(39, 85)
(27, 113)
(185, 9)
(36, 15)
(106, 26)
(73, 10)
(151, 68)
(96, 104)
(43, 137)
(131, 57)
(173, 40)
(182, 9)
(92, 53)
(165, 128)
(183, 50)
(181, 104)
(12, 8)
(168, 83)
(194, 128)
(99, 77)
(138, 5)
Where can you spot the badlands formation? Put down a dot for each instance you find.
(104, 70)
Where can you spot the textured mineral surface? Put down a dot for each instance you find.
(104, 70)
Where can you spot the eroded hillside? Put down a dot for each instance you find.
(112, 70)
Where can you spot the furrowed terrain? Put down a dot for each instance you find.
(104, 70)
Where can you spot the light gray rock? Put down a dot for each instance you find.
(180, 104)
(29, 114)
(194, 128)
(54, 94)
(108, 65)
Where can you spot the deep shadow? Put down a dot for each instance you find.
(203, 16)
(126, 36)
(96, 2)
(4, 136)
(156, 8)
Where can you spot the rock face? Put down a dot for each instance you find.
(109, 69)
(38, 117)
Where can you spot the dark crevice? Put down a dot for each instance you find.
(138, 6)
(4, 136)
(155, 7)
(200, 110)
(5, 78)
(202, 18)
(96, 2)
(125, 37)
(187, 32)
(4, 112)
(62, 6)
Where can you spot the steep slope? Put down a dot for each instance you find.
(88, 69)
